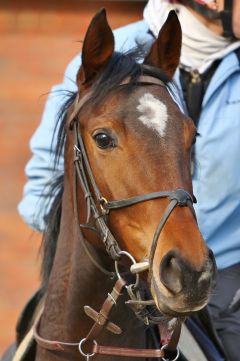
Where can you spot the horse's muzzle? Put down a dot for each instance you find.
(181, 288)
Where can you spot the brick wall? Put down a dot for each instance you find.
(62, 16)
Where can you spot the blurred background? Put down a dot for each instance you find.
(37, 40)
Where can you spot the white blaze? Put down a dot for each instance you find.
(154, 113)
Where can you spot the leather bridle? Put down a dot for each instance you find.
(98, 208)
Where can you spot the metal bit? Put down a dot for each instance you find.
(139, 267)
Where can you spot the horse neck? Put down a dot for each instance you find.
(75, 282)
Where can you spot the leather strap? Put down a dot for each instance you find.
(134, 200)
(127, 352)
(95, 331)
(225, 15)
(103, 316)
(170, 337)
(98, 326)
(84, 243)
(146, 79)
(78, 104)
(175, 202)
(84, 173)
(52, 345)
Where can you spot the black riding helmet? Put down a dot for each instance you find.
(225, 15)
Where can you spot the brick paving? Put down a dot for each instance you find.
(36, 44)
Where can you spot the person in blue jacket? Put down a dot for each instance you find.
(209, 76)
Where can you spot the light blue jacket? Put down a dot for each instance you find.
(216, 179)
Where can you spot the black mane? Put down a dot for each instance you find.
(120, 67)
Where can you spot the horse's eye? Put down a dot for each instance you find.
(104, 140)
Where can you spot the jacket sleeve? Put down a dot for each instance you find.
(39, 170)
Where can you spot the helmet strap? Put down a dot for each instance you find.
(225, 16)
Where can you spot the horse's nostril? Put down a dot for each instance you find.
(170, 273)
(208, 272)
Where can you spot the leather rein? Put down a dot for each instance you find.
(98, 208)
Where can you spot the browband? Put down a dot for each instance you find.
(78, 103)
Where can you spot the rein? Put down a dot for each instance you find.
(102, 322)
(98, 208)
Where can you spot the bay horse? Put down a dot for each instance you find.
(127, 253)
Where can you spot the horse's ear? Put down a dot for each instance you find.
(166, 50)
(98, 47)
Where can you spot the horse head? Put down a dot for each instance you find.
(138, 145)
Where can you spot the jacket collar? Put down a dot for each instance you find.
(228, 66)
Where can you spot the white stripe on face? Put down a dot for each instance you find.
(154, 113)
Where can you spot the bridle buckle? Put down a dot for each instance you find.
(181, 196)
(103, 202)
